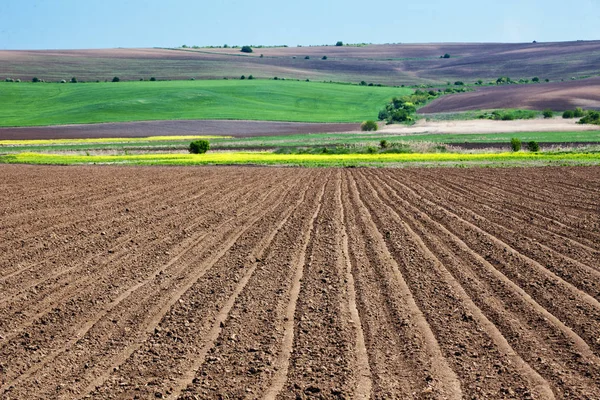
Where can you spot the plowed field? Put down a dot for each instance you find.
(221, 282)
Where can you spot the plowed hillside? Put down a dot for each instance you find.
(392, 64)
(197, 283)
(557, 96)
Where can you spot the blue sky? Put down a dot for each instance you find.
(77, 24)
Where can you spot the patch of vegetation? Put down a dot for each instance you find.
(311, 160)
(533, 146)
(246, 49)
(368, 125)
(403, 109)
(509, 115)
(547, 113)
(591, 117)
(199, 146)
(339, 43)
(515, 144)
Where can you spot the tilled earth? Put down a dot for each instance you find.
(201, 283)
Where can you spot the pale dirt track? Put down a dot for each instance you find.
(197, 283)
(488, 126)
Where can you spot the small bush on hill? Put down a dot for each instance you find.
(250, 77)
(578, 113)
(459, 83)
(9, 80)
(73, 80)
(533, 146)
(535, 79)
(547, 113)
(246, 49)
(515, 144)
(340, 43)
(307, 58)
(568, 114)
(371, 150)
(445, 56)
(242, 77)
(384, 144)
(324, 58)
(368, 126)
(199, 146)
(153, 79)
(116, 79)
(35, 79)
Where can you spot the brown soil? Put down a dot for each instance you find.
(172, 128)
(557, 96)
(392, 64)
(198, 283)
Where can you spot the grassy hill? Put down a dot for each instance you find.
(31, 104)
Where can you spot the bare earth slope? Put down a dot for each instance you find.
(392, 64)
(172, 128)
(557, 96)
(189, 283)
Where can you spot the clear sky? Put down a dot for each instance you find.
(78, 24)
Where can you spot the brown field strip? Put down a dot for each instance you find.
(277, 283)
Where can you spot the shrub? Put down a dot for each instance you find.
(9, 80)
(384, 144)
(368, 126)
(246, 49)
(445, 56)
(592, 117)
(35, 79)
(242, 77)
(533, 146)
(371, 150)
(547, 113)
(324, 58)
(535, 79)
(568, 114)
(515, 144)
(307, 58)
(578, 113)
(116, 79)
(73, 80)
(383, 114)
(199, 146)
(153, 79)
(63, 81)
(459, 83)
(363, 83)
(250, 77)
(262, 55)
(340, 43)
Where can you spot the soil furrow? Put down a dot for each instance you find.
(391, 318)
(530, 329)
(460, 327)
(155, 296)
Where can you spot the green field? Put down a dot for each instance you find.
(314, 160)
(34, 104)
(181, 143)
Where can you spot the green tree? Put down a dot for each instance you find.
(199, 146)
(515, 144)
(73, 80)
(548, 113)
(535, 79)
(35, 79)
(246, 49)
(578, 113)
(116, 79)
(533, 146)
(568, 114)
(324, 58)
(445, 56)
(340, 43)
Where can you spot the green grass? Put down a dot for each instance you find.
(312, 160)
(287, 141)
(29, 104)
